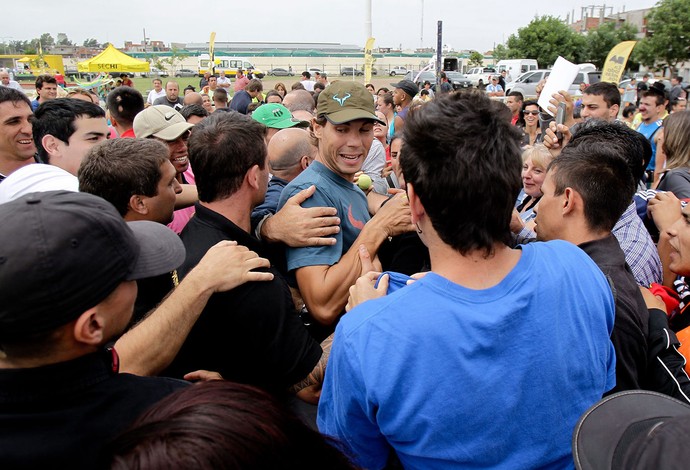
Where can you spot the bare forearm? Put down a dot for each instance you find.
(188, 197)
(317, 374)
(664, 254)
(151, 345)
(325, 291)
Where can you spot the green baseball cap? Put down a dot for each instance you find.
(276, 116)
(344, 101)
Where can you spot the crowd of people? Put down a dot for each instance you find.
(335, 276)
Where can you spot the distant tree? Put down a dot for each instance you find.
(476, 59)
(46, 40)
(601, 40)
(91, 42)
(544, 39)
(500, 52)
(668, 40)
(65, 42)
(175, 58)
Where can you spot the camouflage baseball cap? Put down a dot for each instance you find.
(344, 101)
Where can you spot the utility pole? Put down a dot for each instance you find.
(421, 32)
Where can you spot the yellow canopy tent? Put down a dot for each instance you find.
(112, 60)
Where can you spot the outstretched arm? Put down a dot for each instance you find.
(152, 344)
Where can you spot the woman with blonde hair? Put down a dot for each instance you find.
(280, 88)
(535, 161)
(676, 146)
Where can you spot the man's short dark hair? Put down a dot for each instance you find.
(118, 169)
(124, 103)
(56, 118)
(602, 178)
(654, 92)
(608, 91)
(318, 86)
(306, 75)
(452, 146)
(222, 148)
(193, 110)
(42, 79)
(255, 85)
(517, 95)
(220, 95)
(629, 144)
(12, 95)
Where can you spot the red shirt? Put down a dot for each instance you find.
(128, 134)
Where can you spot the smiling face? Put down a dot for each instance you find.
(16, 139)
(531, 115)
(532, 178)
(649, 109)
(178, 152)
(343, 147)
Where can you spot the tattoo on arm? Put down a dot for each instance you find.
(317, 375)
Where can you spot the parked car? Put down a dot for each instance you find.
(527, 83)
(397, 71)
(280, 72)
(186, 73)
(154, 72)
(458, 80)
(480, 75)
(350, 71)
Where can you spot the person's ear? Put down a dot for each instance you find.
(138, 204)
(304, 161)
(88, 328)
(51, 144)
(253, 176)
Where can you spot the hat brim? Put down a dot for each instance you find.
(289, 122)
(347, 115)
(160, 250)
(174, 131)
(600, 430)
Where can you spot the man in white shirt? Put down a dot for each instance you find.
(5, 81)
(307, 81)
(223, 81)
(157, 92)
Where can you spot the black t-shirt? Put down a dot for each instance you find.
(250, 334)
(62, 415)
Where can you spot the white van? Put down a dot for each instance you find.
(516, 67)
(227, 64)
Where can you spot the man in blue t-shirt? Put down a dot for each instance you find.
(343, 132)
(490, 359)
(652, 107)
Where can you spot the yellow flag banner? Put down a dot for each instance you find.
(368, 59)
(211, 47)
(616, 60)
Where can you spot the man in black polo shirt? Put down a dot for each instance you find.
(251, 334)
(68, 264)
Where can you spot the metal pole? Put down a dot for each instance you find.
(367, 20)
(421, 31)
(439, 51)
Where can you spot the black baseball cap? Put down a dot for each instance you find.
(408, 86)
(63, 252)
(636, 429)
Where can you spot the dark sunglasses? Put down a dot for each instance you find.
(533, 113)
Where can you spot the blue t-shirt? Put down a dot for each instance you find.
(452, 377)
(648, 131)
(331, 191)
(240, 101)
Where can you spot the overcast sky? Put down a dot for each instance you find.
(466, 24)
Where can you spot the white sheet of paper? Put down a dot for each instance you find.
(562, 76)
